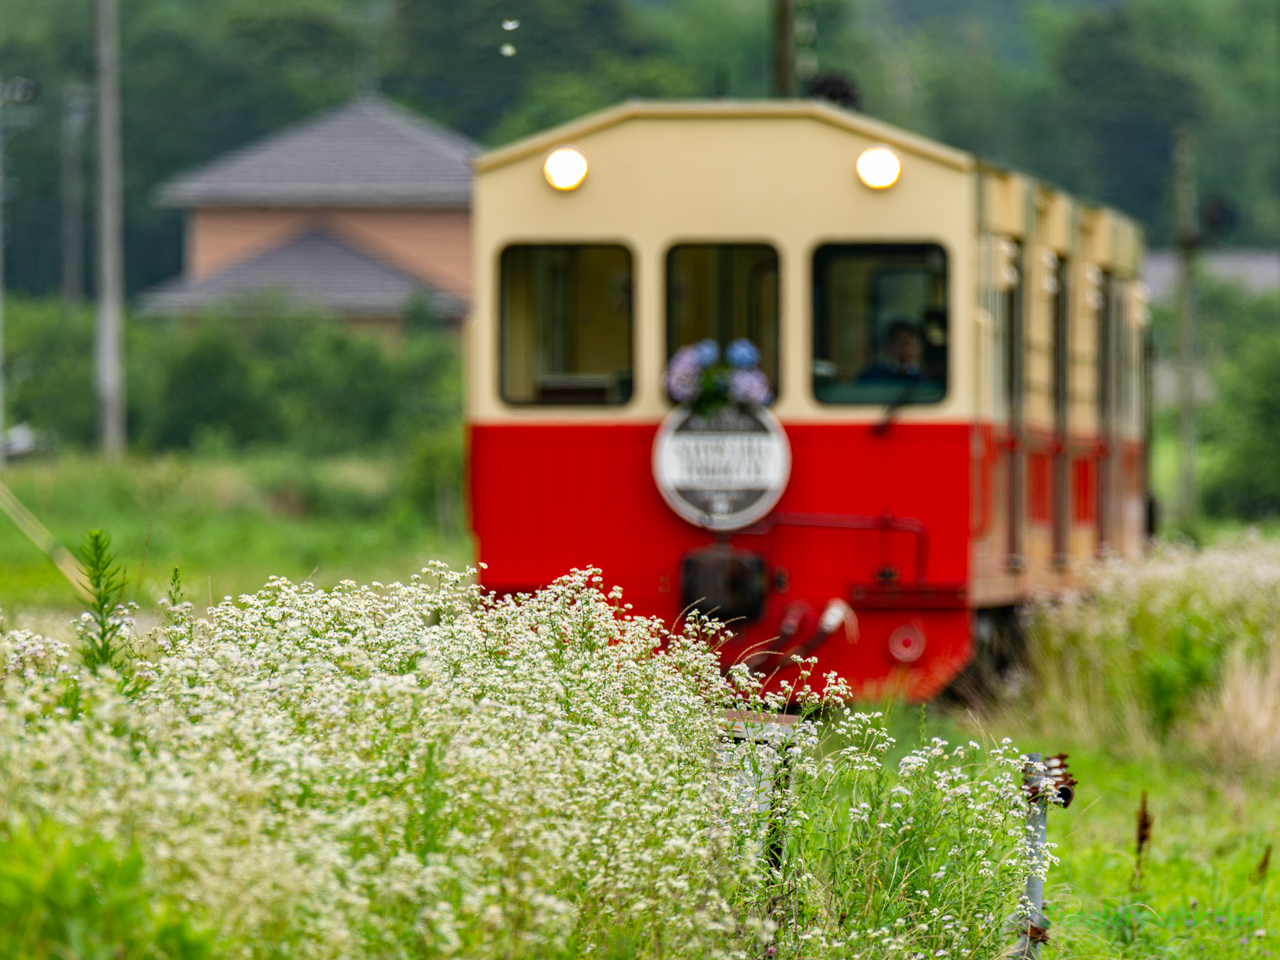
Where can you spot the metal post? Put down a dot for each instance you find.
(1032, 934)
(1184, 193)
(110, 333)
(804, 42)
(783, 71)
(1049, 783)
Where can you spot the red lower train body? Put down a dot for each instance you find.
(908, 525)
(882, 519)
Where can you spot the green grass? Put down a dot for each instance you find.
(1211, 831)
(1209, 835)
(228, 524)
(1197, 895)
(1161, 679)
(1201, 891)
(64, 899)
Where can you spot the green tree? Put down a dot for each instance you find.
(210, 388)
(1084, 95)
(448, 56)
(1117, 101)
(197, 80)
(1243, 475)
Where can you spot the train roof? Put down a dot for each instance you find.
(818, 110)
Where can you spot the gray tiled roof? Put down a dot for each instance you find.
(315, 269)
(368, 152)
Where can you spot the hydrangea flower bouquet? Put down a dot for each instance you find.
(700, 379)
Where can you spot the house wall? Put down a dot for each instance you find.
(434, 245)
(220, 237)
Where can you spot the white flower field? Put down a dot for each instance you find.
(419, 770)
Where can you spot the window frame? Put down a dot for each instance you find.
(815, 313)
(779, 333)
(500, 316)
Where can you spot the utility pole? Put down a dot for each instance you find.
(75, 114)
(4, 446)
(1186, 230)
(110, 332)
(795, 57)
(373, 21)
(783, 70)
(804, 42)
(17, 90)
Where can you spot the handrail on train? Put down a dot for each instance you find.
(886, 522)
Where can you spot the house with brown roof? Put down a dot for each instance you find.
(356, 213)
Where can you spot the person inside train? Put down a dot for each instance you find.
(900, 355)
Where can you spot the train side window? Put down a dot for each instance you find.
(566, 324)
(723, 292)
(880, 323)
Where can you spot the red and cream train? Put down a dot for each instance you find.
(958, 356)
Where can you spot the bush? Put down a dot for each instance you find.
(1141, 656)
(209, 387)
(49, 365)
(431, 771)
(226, 382)
(1243, 429)
(434, 476)
(86, 899)
(335, 391)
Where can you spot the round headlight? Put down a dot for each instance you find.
(565, 168)
(879, 167)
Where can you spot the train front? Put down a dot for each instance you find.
(718, 351)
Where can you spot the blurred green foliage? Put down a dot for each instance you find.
(230, 520)
(1238, 459)
(1138, 662)
(434, 475)
(61, 899)
(228, 383)
(282, 394)
(1080, 93)
(1241, 474)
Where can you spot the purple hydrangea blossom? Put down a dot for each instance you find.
(742, 354)
(749, 386)
(708, 352)
(684, 375)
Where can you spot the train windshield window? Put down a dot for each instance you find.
(724, 292)
(880, 323)
(566, 324)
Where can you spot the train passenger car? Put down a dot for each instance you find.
(955, 356)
